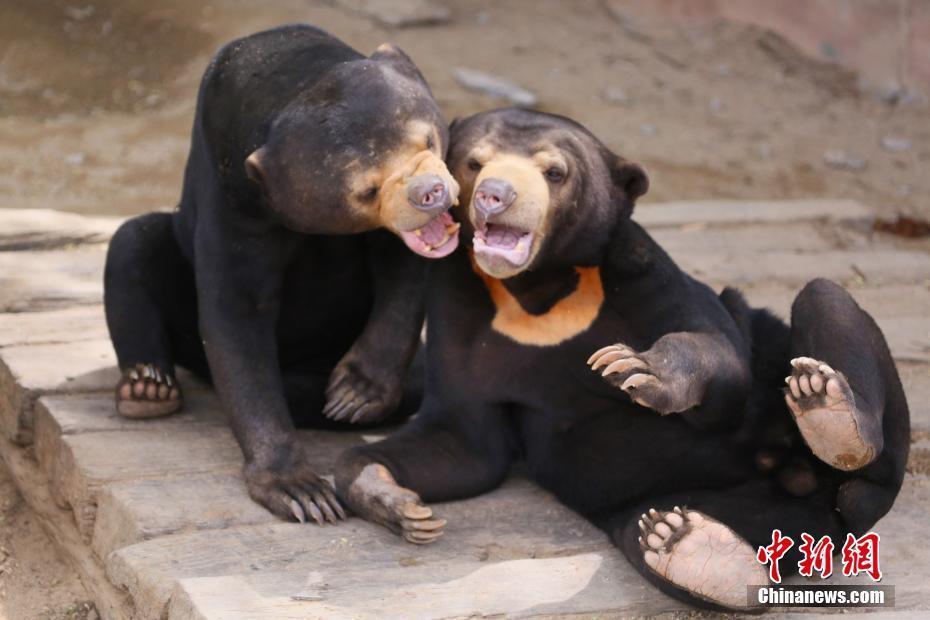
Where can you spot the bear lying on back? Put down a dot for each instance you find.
(686, 445)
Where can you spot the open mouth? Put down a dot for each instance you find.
(511, 244)
(437, 238)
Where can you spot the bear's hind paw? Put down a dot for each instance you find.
(146, 391)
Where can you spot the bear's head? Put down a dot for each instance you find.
(539, 191)
(362, 149)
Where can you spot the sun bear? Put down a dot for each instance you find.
(687, 445)
(286, 276)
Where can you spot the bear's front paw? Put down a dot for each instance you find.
(292, 490)
(644, 381)
(355, 396)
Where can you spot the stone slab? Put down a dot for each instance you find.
(734, 212)
(136, 510)
(32, 281)
(498, 557)
(30, 371)
(896, 300)
(916, 381)
(75, 324)
(43, 229)
(702, 238)
(901, 311)
(58, 416)
(88, 461)
(130, 480)
(850, 268)
(492, 545)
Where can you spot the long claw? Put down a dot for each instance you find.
(429, 525)
(333, 502)
(600, 352)
(627, 363)
(320, 500)
(359, 414)
(416, 511)
(634, 381)
(296, 510)
(346, 408)
(422, 538)
(611, 356)
(315, 513)
(335, 380)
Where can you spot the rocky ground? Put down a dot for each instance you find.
(97, 97)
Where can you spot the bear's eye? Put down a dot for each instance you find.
(555, 174)
(429, 143)
(369, 194)
(474, 165)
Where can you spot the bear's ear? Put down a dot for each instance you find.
(630, 179)
(391, 53)
(254, 166)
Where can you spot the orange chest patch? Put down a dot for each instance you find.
(570, 316)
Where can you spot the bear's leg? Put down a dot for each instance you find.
(701, 546)
(388, 482)
(148, 289)
(841, 377)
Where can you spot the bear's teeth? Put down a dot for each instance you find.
(453, 228)
(418, 232)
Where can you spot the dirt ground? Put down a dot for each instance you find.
(97, 98)
(35, 581)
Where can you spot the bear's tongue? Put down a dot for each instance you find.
(511, 244)
(437, 238)
(434, 233)
(502, 237)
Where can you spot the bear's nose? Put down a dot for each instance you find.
(428, 192)
(494, 196)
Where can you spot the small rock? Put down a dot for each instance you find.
(74, 159)
(717, 105)
(399, 13)
(764, 150)
(494, 86)
(895, 144)
(843, 160)
(615, 94)
(79, 13)
(92, 614)
(648, 129)
(482, 17)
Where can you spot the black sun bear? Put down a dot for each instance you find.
(283, 275)
(685, 445)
